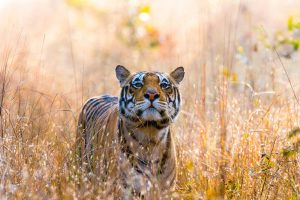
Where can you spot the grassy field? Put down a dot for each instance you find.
(238, 134)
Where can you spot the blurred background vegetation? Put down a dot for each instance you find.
(238, 132)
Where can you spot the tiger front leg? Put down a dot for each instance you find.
(136, 185)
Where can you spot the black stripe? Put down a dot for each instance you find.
(164, 121)
(173, 179)
(175, 113)
(102, 110)
(176, 106)
(162, 137)
(130, 100)
(138, 170)
(125, 95)
(162, 113)
(178, 96)
(89, 103)
(93, 112)
(122, 95)
(122, 111)
(110, 99)
(142, 162)
(175, 97)
(132, 135)
(171, 171)
(173, 101)
(90, 114)
(90, 106)
(139, 113)
(131, 118)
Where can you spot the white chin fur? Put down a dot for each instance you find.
(151, 114)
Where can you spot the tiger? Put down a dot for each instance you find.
(129, 138)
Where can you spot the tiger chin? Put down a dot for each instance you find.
(127, 141)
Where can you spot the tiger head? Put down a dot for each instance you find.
(149, 97)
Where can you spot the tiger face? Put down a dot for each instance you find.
(149, 97)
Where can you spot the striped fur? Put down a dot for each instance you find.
(129, 138)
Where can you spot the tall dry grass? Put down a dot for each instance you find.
(237, 134)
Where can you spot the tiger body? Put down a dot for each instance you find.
(129, 138)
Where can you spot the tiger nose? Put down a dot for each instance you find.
(151, 95)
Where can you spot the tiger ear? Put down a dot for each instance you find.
(178, 74)
(122, 74)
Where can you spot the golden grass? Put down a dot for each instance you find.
(232, 134)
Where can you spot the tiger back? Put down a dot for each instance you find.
(96, 135)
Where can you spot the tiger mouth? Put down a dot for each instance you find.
(149, 109)
(150, 113)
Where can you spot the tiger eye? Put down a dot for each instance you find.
(165, 86)
(137, 85)
(169, 90)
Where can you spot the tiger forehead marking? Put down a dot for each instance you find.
(139, 77)
(149, 81)
(128, 138)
